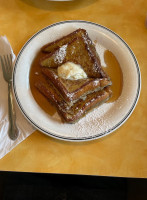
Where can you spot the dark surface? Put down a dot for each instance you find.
(30, 186)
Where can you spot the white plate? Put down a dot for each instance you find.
(98, 123)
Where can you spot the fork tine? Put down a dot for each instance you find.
(1, 60)
(9, 63)
(10, 59)
(2, 63)
(6, 67)
(6, 64)
(3, 67)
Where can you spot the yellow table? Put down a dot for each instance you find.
(123, 153)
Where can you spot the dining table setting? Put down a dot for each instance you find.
(38, 137)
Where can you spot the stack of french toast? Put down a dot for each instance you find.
(75, 82)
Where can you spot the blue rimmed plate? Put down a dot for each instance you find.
(101, 121)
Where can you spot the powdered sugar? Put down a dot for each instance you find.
(94, 122)
(60, 54)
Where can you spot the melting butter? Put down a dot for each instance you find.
(72, 71)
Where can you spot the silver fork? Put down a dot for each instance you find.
(6, 63)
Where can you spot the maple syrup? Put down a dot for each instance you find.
(114, 71)
(35, 75)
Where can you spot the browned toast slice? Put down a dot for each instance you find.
(48, 48)
(72, 90)
(71, 114)
(79, 52)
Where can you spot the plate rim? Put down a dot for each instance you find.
(96, 136)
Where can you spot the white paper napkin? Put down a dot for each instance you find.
(25, 129)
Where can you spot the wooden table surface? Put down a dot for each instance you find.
(123, 153)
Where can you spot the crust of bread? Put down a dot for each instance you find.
(52, 46)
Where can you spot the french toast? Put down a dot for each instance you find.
(71, 114)
(79, 52)
(51, 47)
(73, 98)
(72, 90)
(48, 48)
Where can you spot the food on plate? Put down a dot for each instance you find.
(73, 79)
(72, 90)
(72, 113)
(80, 51)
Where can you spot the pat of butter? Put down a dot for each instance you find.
(71, 71)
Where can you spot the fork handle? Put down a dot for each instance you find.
(13, 130)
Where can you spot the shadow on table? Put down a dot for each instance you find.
(32, 186)
(59, 5)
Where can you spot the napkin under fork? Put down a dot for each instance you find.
(25, 129)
